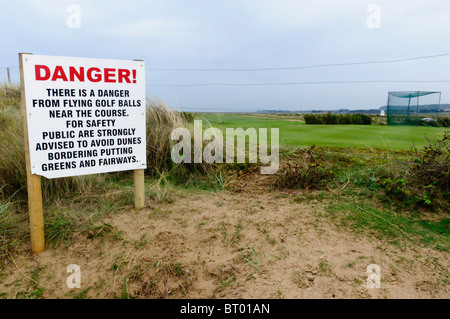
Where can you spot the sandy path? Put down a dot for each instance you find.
(254, 243)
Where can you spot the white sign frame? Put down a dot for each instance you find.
(105, 133)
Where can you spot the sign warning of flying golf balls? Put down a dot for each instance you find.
(84, 116)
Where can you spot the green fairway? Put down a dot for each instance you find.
(295, 133)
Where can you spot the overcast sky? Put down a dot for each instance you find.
(246, 34)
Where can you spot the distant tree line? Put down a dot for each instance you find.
(330, 118)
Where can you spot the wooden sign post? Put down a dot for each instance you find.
(34, 189)
(81, 116)
(139, 189)
(139, 185)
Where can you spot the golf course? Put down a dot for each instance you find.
(294, 133)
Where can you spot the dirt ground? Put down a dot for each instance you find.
(246, 242)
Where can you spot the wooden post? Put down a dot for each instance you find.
(34, 189)
(9, 76)
(139, 189)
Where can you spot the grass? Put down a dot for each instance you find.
(13, 230)
(34, 291)
(397, 228)
(297, 134)
(82, 294)
(160, 189)
(226, 282)
(398, 196)
(324, 267)
(253, 260)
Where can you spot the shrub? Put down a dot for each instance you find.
(356, 119)
(307, 172)
(423, 122)
(345, 119)
(312, 119)
(432, 164)
(443, 121)
(366, 119)
(331, 119)
(425, 182)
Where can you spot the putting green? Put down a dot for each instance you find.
(295, 133)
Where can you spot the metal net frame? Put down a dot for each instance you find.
(413, 107)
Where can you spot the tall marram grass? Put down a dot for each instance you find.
(12, 154)
(9, 95)
(161, 121)
(11, 141)
(12, 157)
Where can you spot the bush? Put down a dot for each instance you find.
(425, 182)
(307, 172)
(345, 119)
(439, 122)
(432, 164)
(312, 119)
(332, 119)
(423, 122)
(366, 119)
(443, 121)
(356, 119)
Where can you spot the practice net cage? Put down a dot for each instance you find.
(413, 108)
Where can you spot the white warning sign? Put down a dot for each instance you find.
(85, 116)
